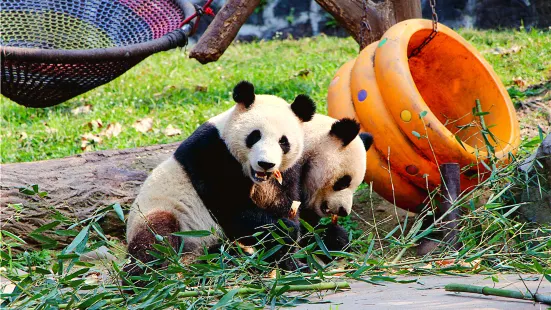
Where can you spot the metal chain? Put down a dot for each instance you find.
(433, 33)
(364, 26)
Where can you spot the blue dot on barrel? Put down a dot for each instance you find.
(362, 94)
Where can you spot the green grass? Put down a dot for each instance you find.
(163, 87)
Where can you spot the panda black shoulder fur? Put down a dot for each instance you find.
(209, 180)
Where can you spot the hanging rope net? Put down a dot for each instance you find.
(57, 49)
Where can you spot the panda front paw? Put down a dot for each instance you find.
(335, 238)
(294, 228)
(291, 264)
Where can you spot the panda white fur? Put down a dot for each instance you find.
(209, 180)
(334, 163)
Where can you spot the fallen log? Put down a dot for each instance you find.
(76, 187)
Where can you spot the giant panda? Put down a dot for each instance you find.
(333, 166)
(212, 179)
(331, 169)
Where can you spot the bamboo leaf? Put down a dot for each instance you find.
(192, 233)
(307, 226)
(322, 246)
(272, 251)
(227, 298)
(14, 237)
(82, 235)
(118, 210)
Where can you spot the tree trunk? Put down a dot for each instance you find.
(379, 16)
(222, 30)
(76, 186)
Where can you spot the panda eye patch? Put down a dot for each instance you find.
(342, 183)
(284, 144)
(252, 138)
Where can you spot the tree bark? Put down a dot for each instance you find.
(379, 16)
(222, 30)
(76, 186)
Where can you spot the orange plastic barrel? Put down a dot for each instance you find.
(419, 108)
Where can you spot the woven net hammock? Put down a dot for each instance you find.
(53, 50)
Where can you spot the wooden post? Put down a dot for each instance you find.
(450, 191)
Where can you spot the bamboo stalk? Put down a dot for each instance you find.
(467, 288)
(249, 290)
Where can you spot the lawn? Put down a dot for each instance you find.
(175, 91)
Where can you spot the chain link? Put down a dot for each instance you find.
(433, 33)
(364, 26)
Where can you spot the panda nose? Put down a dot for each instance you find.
(266, 165)
(342, 212)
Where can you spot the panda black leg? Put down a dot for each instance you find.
(163, 223)
(256, 220)
(335, 238)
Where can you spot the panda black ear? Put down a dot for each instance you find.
(243, 93)
(304, 108)
(345, 129)
(367, 139)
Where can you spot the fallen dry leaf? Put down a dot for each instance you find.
(96, 123)
(93, 278)
(171, 131)
(519, 81)
(82, 109)
(506, 51)
(303, 73)
(201, 88)
(112, 130)
(445, 262)
(164, 91)
(144, 125)
(49, 129)
(88, 140)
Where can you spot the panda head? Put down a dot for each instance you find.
(336, 164)
(264, 133)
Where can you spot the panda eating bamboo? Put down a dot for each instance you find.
(209, 181)
(221, 176)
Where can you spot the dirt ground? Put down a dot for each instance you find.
(535, 110)
(428, 293)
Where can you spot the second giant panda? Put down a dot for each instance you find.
(333, 166)
(210, 179)
(331, 169)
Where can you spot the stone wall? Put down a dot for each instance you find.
(492, 13)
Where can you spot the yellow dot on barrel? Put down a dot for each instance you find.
(405, 115)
